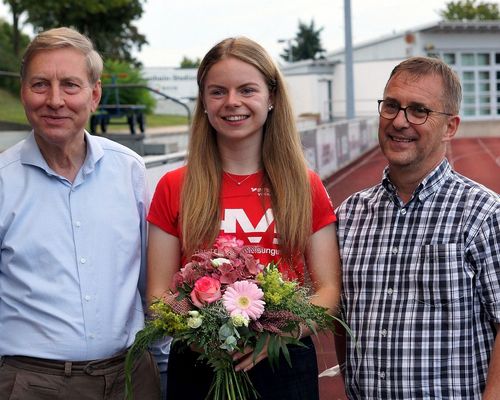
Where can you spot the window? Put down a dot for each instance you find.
(469, 87)
(484, 87)
(469, 100)
(484, 100)
(468, 76)
(484, 75)
(483, 59)
(484, 111)
(449, 58)
(479, 73)
(468, 59)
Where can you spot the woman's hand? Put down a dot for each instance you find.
(246, 360)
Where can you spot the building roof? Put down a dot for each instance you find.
(320, 66)
(463, 26)
(435, 27)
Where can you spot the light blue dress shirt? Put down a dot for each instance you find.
(72, 255)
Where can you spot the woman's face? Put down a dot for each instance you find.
(237, 100)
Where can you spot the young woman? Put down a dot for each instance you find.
(246, 176)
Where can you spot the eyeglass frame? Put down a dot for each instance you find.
(427, 110)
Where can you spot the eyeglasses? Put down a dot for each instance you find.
(415, 115)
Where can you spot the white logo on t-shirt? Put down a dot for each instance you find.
(234, 216)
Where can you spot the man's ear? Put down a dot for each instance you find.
(451, 128)
(96, 95)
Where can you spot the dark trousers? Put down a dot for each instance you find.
(27, 378)
(189, 379)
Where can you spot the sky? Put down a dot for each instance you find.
(190, 28)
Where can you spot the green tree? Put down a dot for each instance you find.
(107, 23)
(121, 72)
(11, 62)
(189, 63)
(307, 44)
(17, 7)
(470, 10)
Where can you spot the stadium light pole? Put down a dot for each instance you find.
(349, 76)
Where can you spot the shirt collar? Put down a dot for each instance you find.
(31, 155)
(429, 185)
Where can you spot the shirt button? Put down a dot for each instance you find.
(403, 211)
(83, 260)
(87, 297)
(381, 375)
(91, 336)
(383, 332)
(390, 291)
(395, 250)
(78, 224)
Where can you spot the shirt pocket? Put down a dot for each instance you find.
(440, 276)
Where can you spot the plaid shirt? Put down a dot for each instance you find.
(421, 288)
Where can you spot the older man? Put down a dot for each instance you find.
(421, 256)
(72, 238)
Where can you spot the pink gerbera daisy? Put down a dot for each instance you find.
(244, 298)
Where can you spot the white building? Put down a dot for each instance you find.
(471, 48)
(178, 83)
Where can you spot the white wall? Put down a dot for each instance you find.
(303, 93)
(369, 82)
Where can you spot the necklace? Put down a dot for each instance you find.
(236, 181)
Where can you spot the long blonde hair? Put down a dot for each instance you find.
(284, 165)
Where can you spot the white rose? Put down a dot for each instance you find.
(239, 320)
(217, 262)
(194, 322)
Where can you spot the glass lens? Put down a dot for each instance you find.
(388, 109)
(416, 115)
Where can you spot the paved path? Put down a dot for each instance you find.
(9, 138)
(166, 135)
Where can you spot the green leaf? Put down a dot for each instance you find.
(273, 351)
(259, 346)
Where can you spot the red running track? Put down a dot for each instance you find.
(476, 158)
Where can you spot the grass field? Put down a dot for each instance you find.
(11, 110)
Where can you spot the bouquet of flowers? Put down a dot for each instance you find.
(227, 301)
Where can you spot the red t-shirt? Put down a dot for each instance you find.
(246, 214)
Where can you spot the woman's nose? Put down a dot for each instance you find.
(233, 99)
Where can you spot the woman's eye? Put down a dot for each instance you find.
(216, 92)
(248, 91)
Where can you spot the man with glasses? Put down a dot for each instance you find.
(421, 256)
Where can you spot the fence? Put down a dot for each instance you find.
(327, 147)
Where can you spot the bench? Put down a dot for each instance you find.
(134, 115)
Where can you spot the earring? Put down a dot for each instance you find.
(205, 111)
(270, 107)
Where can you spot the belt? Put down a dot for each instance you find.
(67, 368)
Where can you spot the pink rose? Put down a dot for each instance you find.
(206, 290)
